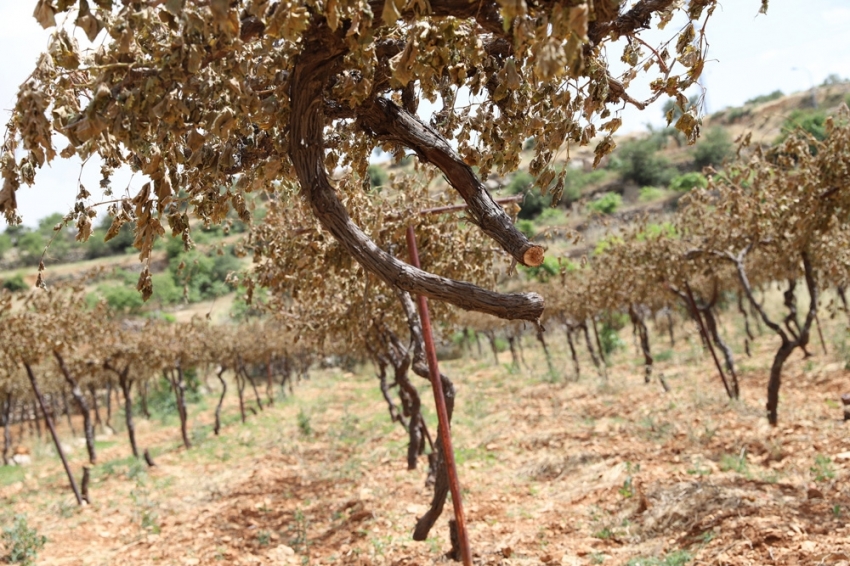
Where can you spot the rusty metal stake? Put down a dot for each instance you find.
(442, 413)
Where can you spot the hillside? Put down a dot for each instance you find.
(644, 177)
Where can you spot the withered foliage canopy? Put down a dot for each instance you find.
(42, 326)
(211, 99)
(775, 215)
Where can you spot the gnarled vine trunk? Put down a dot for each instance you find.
(317, 62)
(126, 388)
(82, 404)
(178, 385)
(793, 335)
(7, 427)
(220, 375)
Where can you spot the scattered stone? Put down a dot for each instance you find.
(808, 546)
(284, 550)
(21, 460)
(416, 510)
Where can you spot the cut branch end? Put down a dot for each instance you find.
(533, 256)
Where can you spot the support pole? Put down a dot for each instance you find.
(442, 413)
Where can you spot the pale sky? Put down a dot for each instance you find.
(749, 55)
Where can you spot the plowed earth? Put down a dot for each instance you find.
(591, 472)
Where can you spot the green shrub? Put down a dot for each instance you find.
(762, 98)
(551, 215)
(544, 271)
(61, 242)
(378, 177)
(526, 227)
(671, 108)
(639, 161)
(609, 332)
(161, 400)
(96, 246)
(735, 114)
(165, 290)
(241, 310)
(676, 558)
(15, 283)
(304, 425)
(823, 470)
(811, 121)
(204, 275)
(833, 79)
(610, 340)
(575, 180)
(607, 203)
(714, 147)
(5, 244)
(22, 543)
(655, 230)
(649, 194)
(731, 462)
(663, 356)
(688, 181)
(122, 298)
(534, 203)
(606, 243)
(30, 247)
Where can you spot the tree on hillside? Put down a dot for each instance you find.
(214, 99)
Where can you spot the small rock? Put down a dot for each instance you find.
(284, 550)
(808, 546)
(843, 456)
(21, 459)
(107, 434)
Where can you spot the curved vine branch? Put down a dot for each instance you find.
(321, 56)
(390, 122)
(637, 18)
